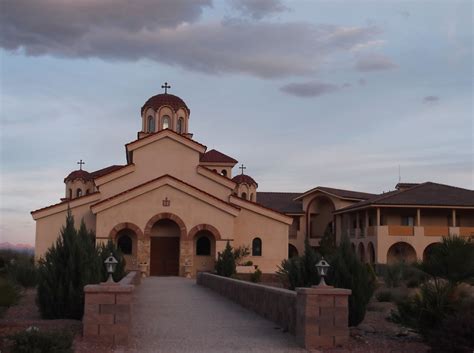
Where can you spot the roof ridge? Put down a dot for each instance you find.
(450, 186)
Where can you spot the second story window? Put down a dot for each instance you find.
(166, 122)
(408, 221)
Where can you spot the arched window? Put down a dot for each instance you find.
(124, 243)
(166, 122)
(151, 124)
(224, 172)
(78, 192)
(257, 247)
(70, 193)
(203, 246)
(244, 196)
(180, 126)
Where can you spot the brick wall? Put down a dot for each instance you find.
(108, 310)
(318, 316)
(275, 304)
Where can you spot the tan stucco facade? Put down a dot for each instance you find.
(164, 191)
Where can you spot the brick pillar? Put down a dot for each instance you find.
(107, 313)
(322, 316)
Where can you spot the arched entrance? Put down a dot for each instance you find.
(401, 252)
(361, 252)
(429, 250)
(164, 248)
(371, 253)
(319, 216)
(292, 251)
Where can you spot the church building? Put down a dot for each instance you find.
(174, 204)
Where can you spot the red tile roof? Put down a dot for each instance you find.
(104, 171)
(78, 174)
(346, 194)
(214, 156)
(244, 179)
(425, 194)
(163, 131)
(63, 202)
(281, 201)
(162, 99)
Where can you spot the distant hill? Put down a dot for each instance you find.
(17, 247)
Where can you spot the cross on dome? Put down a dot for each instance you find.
(166, 86)
(242, 168)
(80, 164)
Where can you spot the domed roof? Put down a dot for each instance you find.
(162, 99)
(244, 179)
(79, 174)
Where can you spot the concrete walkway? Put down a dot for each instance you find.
(173, 314)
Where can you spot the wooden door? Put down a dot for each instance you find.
(164, 256)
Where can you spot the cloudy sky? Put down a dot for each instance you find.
(305, 93)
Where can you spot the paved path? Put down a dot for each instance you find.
(173, 314)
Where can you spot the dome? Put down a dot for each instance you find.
(244, 179)
(162, 99)
(78, 174)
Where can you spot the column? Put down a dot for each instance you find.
(378, 217)
(454, 218)
(322, 317)
(418, 217)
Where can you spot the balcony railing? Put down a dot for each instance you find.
(436, 231)
(400, 230)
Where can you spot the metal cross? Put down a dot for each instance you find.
(242, 168)
(80, 164)
(166, 86)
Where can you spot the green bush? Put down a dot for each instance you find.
(300, 271)
(256, 276)
(23, 271)
(225, 264)
(393, 275)
(34, 341)
(347, 271)
(384, 296)
(9, 293)
(240, 253)
(69, 265)
(248, 263)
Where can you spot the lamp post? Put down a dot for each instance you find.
(110, 265)
(322, 266)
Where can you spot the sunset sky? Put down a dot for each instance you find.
(304, 93)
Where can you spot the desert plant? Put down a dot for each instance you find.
(347, 271)
(392, 275)
(248, 263)
(69, 265)
(23, 271)
(225, 264)
(384, 296)
(9, 293)
(290, 274)
(240, 253)
(256, 276)
(452, 260)
(34, 341)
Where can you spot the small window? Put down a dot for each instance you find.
(124, 243)
(257, 247)
(78, 192)
(244, 196)
(224, 172)
(251, 197)
(203, 246)
(151, 124)
(87, 192)
(166, 122)
(179, 126)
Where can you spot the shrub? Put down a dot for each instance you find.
(256, 276)
(240, 253)
(225, 264)
(34, 341)
(9, 293)
(69, 265)
(347, 271)
(248, 263)
(327, 244)
(384, 296)
(23, 271)
(392, 275)
(104, 251)
(454, 334)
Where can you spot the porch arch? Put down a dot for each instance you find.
(125, 225)
(203, 226)
(170, 216)
(401, 252)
